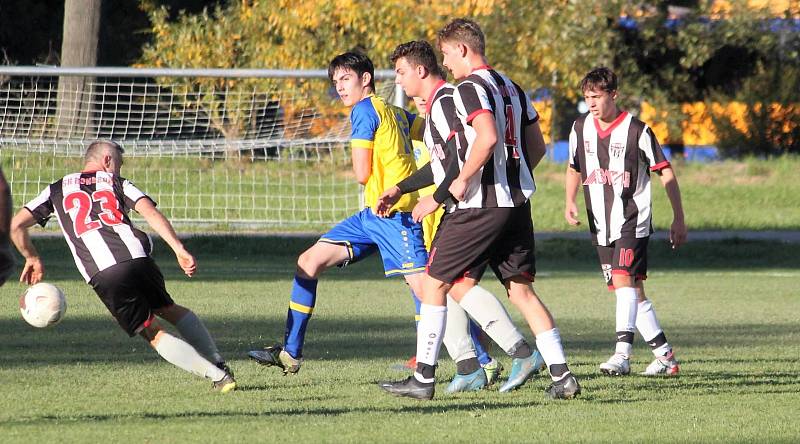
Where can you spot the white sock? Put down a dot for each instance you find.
(180, 354)
(549, 345)
(649, 328)
(457, 339)
(430, 330)
(492, 317)
(196, 334)
(626, 316)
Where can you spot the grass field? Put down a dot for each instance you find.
(731, 310)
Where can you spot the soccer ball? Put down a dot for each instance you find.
(42, 305)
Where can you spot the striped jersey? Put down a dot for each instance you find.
(506, 179)
(92, 211)
(439, 119)
(615, 166)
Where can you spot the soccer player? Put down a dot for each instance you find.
(612, 154)
(483, 153)
(6, 258)
(381, 156)
(113, 257)
(459, 349)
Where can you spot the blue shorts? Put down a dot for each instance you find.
(398, 238)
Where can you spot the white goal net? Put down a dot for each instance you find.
(221, 150)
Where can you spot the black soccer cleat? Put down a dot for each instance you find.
(224, 367)
(565, 388)
(410, 388)
(276, 356)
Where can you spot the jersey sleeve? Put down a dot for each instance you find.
(651, 149)
(41, 207)
(132, 194)
(529, 113)
(443, 118)
(574, 159)
(364, 121)
(473, 99)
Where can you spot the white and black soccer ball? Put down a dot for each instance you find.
(42, 305)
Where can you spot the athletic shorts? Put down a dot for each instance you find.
(467, 239)
(397, 237)
(626, 256)
(131, 290)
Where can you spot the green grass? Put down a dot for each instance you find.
(731, 310)
(301, 195)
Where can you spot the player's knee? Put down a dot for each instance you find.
(151, 332)
(171, 313)
(308, 265)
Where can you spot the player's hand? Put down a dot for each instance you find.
(187, 262)
(571, 213)
(458, 189)
(387, 200)
(424, 207)
(33, 271)
(677, 233)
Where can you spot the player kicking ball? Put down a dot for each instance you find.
(612, 154)
(381, 156)
(114, 258)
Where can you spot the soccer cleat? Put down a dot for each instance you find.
(468, 383)
(226, 384)
(617, 365)
(493, 369)
(278, 357)
(523, 369)
(663, 366)
(565, 388)
(410, 388)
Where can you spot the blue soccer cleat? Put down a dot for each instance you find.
(468, 383)
(523, 369)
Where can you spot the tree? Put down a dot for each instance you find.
(79, 48)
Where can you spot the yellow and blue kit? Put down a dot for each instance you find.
(422, 156)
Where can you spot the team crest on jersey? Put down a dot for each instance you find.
(587, 146)
(616, 149)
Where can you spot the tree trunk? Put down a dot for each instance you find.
(79, 48)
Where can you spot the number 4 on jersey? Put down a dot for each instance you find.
(511, 134)
(79, 205)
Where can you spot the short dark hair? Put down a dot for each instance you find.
(418, 53)
(95, 148)
(600, 78)
(355, 61)
(464, 31)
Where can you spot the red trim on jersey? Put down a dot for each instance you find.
(481, 67)
(611, 288)
(606, 132)
(429, 102)
(622, 272)
(660, 166)
(149, 321)
(527, 276)
(476, 113)
(450, 136)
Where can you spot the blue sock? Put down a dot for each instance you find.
(304, 295)
(417, 304)
(475, 332)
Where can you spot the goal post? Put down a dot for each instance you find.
(217, 149)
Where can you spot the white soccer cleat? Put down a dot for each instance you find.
(663, 366)
(617, 365)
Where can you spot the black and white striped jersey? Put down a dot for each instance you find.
(506, 179)
(615, 166)
(438, 131)
(92, 210)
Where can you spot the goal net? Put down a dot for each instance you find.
(221, 152)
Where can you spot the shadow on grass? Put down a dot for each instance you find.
(228, 258)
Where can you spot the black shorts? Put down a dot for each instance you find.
(627, 256)
(467, 240)
(131, 290)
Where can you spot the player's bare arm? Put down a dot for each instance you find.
(534, 144)
(482, 150)
(33, 270)
(573, 181)
(362, 164)
(677, 231)
(164, 228)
